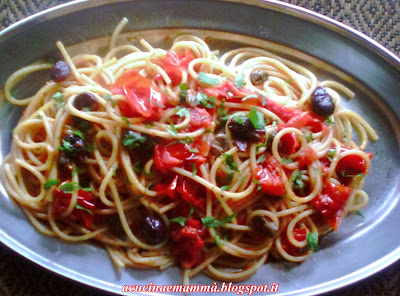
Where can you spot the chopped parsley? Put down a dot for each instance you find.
(225, 187)
(133, 140)
(331, 154)
(230, 164)
(261, 158)
(182, 112)
(84, 209)
(172, 129)
(58, 97)
(239, 80)
(210, 222)
(110, 99)
(359, 213)
(203, 77)
(180, 220)
(287, 160)
(298, 180)
(194, 169)
(256, 118)
(205, 101)
(312, 240)
(50, 183)
(71, 187)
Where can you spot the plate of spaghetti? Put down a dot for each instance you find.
(192, 156)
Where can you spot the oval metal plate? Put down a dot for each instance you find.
(361, 247)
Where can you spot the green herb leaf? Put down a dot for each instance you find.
(70, 187)
(78, 133)
(351, 174)
(84, 209)
(238, 119)
(298, 180)
(312, 240)
(287, 160)
(263, 101)
(217, 239)
(109, 98)
(180, 220)
(225, 187)
(329, 121)
(66, 146)
(360, 214)
(133, 140)
(193, 150)
(203, 77)
(308, 136)
(194, 169)
(210, 222)
(331, 154)
(182, 112)
(184, 89)
(125, 119)
(256, 118)
(50, 183)
(207, 102)
(172, 129)
(261, 158)
(59, 98)
(239, 80)
(230, 164)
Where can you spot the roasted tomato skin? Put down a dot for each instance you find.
(267, 174)
(83, 211)
(187, 242)
(331, 201)
(142, 97)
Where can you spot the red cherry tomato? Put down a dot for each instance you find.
(331, 201)
(83, 211)
(174, 62)
(267, 173)
(143, 98)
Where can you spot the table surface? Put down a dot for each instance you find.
(379, 20)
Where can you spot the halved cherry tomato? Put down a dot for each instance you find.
(83, 211)
(351, 165)
(188, 243)
(331, 201)
(299, 235)
(174, 62)
(199, 117)
(143, 98)
(229, 91)
(289, 143)
(267, 173)
(192, 192)
(168, 189)
(173, 155)
(284, 113)
(307, 157)
(307, 119)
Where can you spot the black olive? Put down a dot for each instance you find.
(243, 130)
(86, 101)
(139, 145)
(321, 102)
(60, 71)
(74, 147)
(261, 225)
(258, 77)
(153, 229)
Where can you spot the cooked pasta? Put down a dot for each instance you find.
(216, 162)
